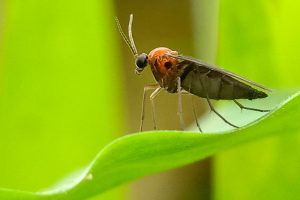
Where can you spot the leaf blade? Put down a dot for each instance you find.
(137, 155)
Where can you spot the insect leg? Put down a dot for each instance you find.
(248, 108)
(193, 104)
(195, 115)
(211, 106)
(152, 96)
(180, 113)
(194, 109)
(213, 109)
(146, 88)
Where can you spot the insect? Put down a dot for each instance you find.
(179, 74)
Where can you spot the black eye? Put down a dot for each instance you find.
(141, 61)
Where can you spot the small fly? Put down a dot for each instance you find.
(179, 74)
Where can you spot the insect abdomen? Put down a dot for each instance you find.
(215, 85)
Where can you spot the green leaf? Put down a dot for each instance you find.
(133, 156)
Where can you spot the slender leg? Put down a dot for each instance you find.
(194, 109)
(211, 106)
(193, 104)
(195, 115)
(180, 113)
(152, 96)
(213, 109)
(248, 108)
(146, 88)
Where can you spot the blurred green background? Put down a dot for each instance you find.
(67, 88)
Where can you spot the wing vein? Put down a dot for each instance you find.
(219, 69)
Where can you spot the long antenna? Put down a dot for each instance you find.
(130, 35)
(130, 41)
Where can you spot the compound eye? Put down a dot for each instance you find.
(141, 61)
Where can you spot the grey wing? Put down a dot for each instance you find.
(218, 69)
